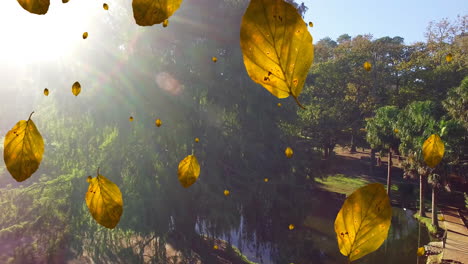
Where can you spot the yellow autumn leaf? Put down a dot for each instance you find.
(38, 7)
(150, 12)
(76, 88)
(105, 6)
(165, 23)
(226, 192)
(363, 221)
(433, 150)
(104, 201)
(367, 66)
(288, 152)
(311, 24)
(23, 149)
(265, 180)
(291, 227)
(85, 35)
(197, 140)
(276, 46)
(215, 247)
(279, 104)
(396, 130)
(449, 57)
(46, 92)
(420, 252)
(158, 122)
(130, 119)
(188, 171)
(214, 59)
(65, 1)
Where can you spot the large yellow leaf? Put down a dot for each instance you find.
(189, 170)
(362, 224)
(150, 12)
(104, 201)
(433, 150)
(39, 7)
(23, 150)
(277, 47)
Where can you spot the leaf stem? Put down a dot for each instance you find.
(30, 115)
(297, 101)
(98, 171)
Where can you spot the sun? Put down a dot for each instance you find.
(30, 38)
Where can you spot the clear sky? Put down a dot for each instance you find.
(404, 18)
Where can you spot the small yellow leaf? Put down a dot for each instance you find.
(421, 251)
(150, 12)
(158, 122)
(396, 130)
(46, 92)
(449, 57)
(433, 150)
(76, 88)
(291, 227)
(131, 119)
(311, 24)
(104, 201)
(214, 59)
(276, 46)
(441, 218)
(197, 140)
(23, 149)
(226, 192)
(288, 152)
(38, 7)
(65, 1)
(367, 66)
(215, 247)
(265, 180)
(279, 104)
(105, 6)
(85, 35)
(165, 23)
(188, 171)
(362, 224)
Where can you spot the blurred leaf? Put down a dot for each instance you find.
(39, 7)
(367, 66)
(158, 122)
(105, 6)
(214, 59)
(165, 23)
(104, 201)
(226, 192)
(76, 88)
(449, 57)
(363, 221)
(276, 46)
(46, 92)
(288, 152)
(85, 35)
(291, 227)
(189, 170)
(150, 12)
(433, 150)
(421, 251)
(311, 24)
(23, 149)
(130, 119)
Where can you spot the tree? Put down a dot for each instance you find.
(382, 135)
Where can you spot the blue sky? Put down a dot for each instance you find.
(404, 18)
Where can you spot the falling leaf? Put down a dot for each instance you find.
(131, 119)
(23, 149)
(265, 180)
(105, 6)
(85, 35)
(279, 104)
(311, 24)
(197, 140)
(433, 150)
(104, 201)
(158, 122)
(226, 192)
(291, 227)
(165, 23)
(367, 66)
(276, 46)
(441, 218)
(449, 57)
(215, 247)
(396, 130)
(288, 152)
(189, 170)
(150, 12)
(214, 59)
(421, 251)
(46, 92)
(65, 1)
(76, 88)
(363, 221)
(38, 7)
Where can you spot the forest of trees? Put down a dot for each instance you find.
(411, 92)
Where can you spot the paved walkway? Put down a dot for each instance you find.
(456, 245)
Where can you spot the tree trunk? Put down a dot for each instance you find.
(325, 152)
(353, 146)
(372, 157)
(434, 206)
(421, 196)
(389, 173)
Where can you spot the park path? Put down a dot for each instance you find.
(456, 245)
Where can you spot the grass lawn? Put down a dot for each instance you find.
(341, 183)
